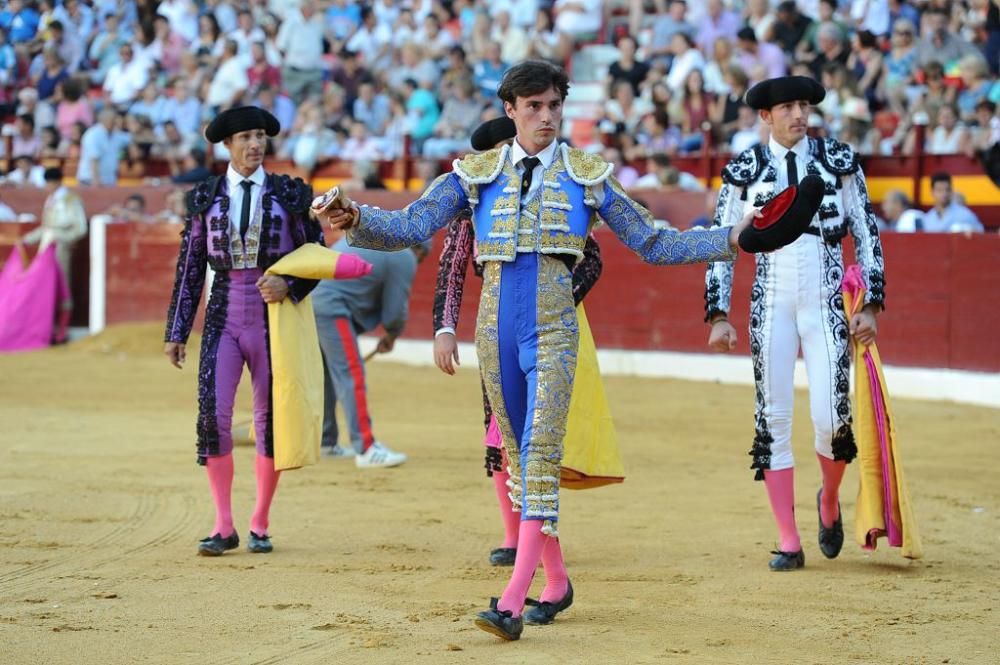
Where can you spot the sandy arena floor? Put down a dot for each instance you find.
(101, 506)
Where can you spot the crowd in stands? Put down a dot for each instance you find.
(109, 84)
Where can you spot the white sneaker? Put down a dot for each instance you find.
(337, 452)
(378, 455)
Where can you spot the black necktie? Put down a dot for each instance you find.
(529, 164)
(793, 169)
(245, 210)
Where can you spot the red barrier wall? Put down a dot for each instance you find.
(943, 301)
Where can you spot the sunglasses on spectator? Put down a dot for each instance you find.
(903, 33)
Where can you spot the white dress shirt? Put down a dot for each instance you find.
(233, 179)
(801, 150)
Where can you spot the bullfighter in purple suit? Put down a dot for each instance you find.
(239, 224)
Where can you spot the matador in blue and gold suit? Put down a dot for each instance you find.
(528, 239)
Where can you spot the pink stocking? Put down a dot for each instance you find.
(511, 519)
(530, 545)
(556, 578)
(220, 482)
(833, 473)
(267, 483)
(781, 493)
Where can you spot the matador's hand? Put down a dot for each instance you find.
(446, 352)
(722, 339)
(864, 326)
(176, 353)
(273, 288)
(336, 210)
(734, 235)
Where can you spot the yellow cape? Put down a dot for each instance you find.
(590, 451)
(296, 362)
(884, 507)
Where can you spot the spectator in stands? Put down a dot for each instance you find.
(364, 176)
(49, 143)
(948, 136)
(183, 109)
(245, 34)
(856, 129)
(900, 10)
(543, 38)
(725, 110)
(760, 60)
(261, 72)
(626, 175)
(662, 174)
(457, 72)
(986, 132)
(167, 46)
(656, 136)
(230, 82)
(72, 106)
(830, 44)
(976, 85)
(225, 13)
(153, 104)
(26, 172)
(459, 117)
(948, 215)
(51, 74)
(865, 64)
(170, 144)
(372, 40)
(125, 78)
(716, 71)
(871, 16)
(183, 18)
(342, 19)
(747, 131)
(513, 39)
(488, 73)
(193, 167)
(938, 44)
(208, 46)
(371, 108)
(627, 68)
(279, 105)
(623, 112)
(791, 27)
(808, 47)
(132, 210)
(898, 66)
(310, 140)
(686, 59)
(435, 40)
(70, 147)
(105, 48)
(349, 74)
(758, 17)
(404, 30)
(78, 19)
(20, 22)
(67, 52)
(42, 114)
(336, 114)
(25, 141)
(423, 109)
(8, 61)
(693, 107)
(664, 28)
(577, 20)
(719, 22)
(900, 215)
(100, 151)
(935, 92)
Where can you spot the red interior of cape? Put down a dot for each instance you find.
(775, 208)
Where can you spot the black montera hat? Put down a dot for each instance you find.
(241, 119)
(491, 132)
(768, 94)
(785, 217)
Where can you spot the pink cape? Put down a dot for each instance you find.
(31, 296)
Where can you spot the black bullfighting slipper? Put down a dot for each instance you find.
(784, 561)
(831, 539)
(503, 556)
(545, 612)
(215, 545)
(502, 624)
(259, 544)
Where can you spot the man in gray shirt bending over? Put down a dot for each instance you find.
(344, 309)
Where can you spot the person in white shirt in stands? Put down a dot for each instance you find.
(300, 39)
(899, 213)
(126, 78)
(230, 82)
(948, 215)
(577, 20)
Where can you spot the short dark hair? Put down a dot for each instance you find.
(139, 198)
(747, 34)
(867, 39)
(53, 174)
(940, 176)
(532, 77)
